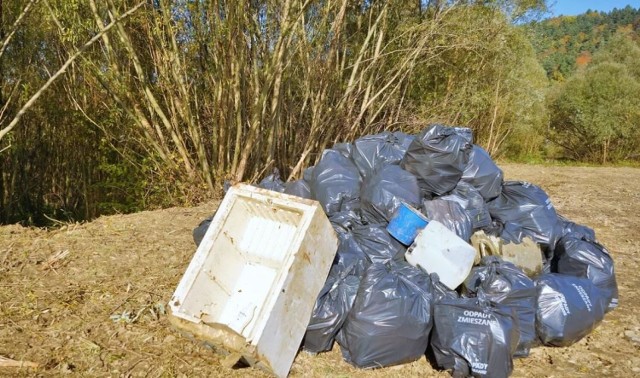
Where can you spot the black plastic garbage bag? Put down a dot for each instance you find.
(573, 229)
(569, 308)
(483, 174)
(588, 259)
(437, 157)
(383, 193)
(512, 232)
(335, 183)
(272, 182)
(344, 148)
(345, 221)
(440, 291)
(198, 232)
(404, 140)
(226, 185)
(495, 228)
(349, 253)
(391, 318)
(299, 188)
(374, 152)
(377, 244)
(474, 337)
(473, 204)
(504, 283)
(337, 296)
(307, 175)
(525, 208)
(465, 133)
(450, 214)
(350, 256)
(331, 309)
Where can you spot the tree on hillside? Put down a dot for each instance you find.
(563, 42)
(596, 113)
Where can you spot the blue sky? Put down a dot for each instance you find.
(574, 7)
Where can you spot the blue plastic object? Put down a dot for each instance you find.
(406, 224)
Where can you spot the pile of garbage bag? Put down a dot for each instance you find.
(382, 311)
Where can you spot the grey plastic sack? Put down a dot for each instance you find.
(437, 157)
(345, 221)
(377, 244)
(526, 208)
(569, 308)
(450, 214)
(383, 193)
(573, 229)
(344, 148)
(331, 309)
(374, 152)
(465, 133)
(338, 294)
(504, 283)
(350, 256)
(474, 337)
(581, 257)
(483, 174)
(307, 174)
(201, 230)
(440, 291)
(335, 183)
(272, 182)
(390, 321)
(299, 188)
(403, 140)
(473, 204)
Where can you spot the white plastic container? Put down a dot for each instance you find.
(437, 249)
(253, 281)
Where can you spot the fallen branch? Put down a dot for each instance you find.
(7, 362)
(56, 258)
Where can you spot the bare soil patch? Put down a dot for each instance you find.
(88, 299)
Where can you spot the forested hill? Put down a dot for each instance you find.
(563, 43)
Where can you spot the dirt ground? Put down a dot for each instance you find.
(97, 309)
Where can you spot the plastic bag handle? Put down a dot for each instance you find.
(492, 272)
(483, 301)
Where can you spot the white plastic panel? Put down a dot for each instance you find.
(267, 239)
(247, 298)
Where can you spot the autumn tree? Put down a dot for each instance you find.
(596, 113)
(489, 80)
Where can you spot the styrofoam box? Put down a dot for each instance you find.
(253, 281)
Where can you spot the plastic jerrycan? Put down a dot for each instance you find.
(437, 249)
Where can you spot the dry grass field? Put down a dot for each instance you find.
(87, 299)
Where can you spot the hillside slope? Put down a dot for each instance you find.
(566, 42)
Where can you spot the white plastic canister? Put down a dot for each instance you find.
(437, 249)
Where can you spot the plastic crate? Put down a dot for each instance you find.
(253, 281)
